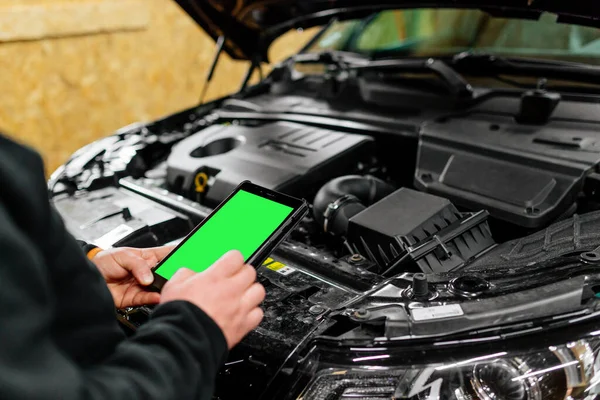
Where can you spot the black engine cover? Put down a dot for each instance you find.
(282, 156)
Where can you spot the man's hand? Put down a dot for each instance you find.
(127, 271)
(226, 292)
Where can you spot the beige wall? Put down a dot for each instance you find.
(65, 81)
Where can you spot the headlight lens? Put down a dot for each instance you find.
(499, 379)
(569, 371)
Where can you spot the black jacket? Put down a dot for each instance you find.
(59, 338)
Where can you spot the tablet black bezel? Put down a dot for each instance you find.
(298, 206)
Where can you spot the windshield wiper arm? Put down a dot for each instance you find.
(336, 58)
(484, 64)
(453, 80)
(346, 61)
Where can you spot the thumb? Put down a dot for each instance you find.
(137, 266)
(143, 273)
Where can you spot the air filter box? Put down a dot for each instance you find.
(415, 231)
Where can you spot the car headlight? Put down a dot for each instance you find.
(568, 371)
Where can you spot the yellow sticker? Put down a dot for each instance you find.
(201, 181)
(268, 261)
(278, 267)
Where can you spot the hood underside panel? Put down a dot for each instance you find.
(250, 26)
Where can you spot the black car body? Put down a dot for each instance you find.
(453, 249)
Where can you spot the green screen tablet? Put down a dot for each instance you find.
(249, 219)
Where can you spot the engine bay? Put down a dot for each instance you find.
(375, 194)
(410, 210)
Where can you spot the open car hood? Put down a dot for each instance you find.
(250, 26)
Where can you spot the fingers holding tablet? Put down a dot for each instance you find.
(252, 219)
(226, 292)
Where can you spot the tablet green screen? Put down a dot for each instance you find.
(244, 223)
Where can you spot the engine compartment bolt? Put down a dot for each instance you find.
(469, 286)
(316, 309)
(590, 257)
(420, 287)
(361, 313)
(356, 258)
(427, 177)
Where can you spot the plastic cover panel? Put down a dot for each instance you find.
(527, 175)
(577, 234)
(282, 156)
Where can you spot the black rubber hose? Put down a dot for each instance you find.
(344, 197)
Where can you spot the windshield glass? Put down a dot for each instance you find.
(427, 32)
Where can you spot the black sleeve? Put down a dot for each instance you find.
(176, 355)
(86, 247)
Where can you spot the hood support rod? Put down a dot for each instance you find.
(213, 67)
(256, 63)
